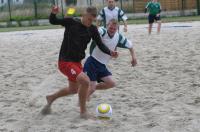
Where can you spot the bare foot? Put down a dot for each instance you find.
(49, 99)
(87, 115)
(46, 110)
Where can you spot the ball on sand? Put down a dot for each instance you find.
(104, 111)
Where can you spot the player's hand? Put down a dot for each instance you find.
(55, 10)
(125, 29)
(114, 54)
(157, 15)
(146, 15)
(134, 62)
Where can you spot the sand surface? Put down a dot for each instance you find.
(160, 94)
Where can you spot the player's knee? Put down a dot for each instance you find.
(84, 80)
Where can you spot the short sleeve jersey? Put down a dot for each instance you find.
(107, 14)
(153, 7)
(118, 40)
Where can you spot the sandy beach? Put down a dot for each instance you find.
(160, 94)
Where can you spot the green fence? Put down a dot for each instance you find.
(29, 9)
(10, 10)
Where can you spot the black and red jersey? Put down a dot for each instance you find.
(76, 38)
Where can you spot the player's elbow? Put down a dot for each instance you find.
(52, 19)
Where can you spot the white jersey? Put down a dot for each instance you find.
(107, 14)
(117, 40)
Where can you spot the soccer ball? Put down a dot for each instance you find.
(104, 111)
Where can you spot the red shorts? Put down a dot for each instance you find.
(70, 69)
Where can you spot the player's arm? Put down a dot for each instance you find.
(125, 26)
(125, 43)
(133, 56)
(100, 18)
(146, 8)
(102, 31)
(96, 37)
(98, 22)
(57, 21)
(160, 9)
(124, 18)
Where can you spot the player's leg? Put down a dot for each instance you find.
(107, 83)
(151, 21)
(71, 89)
(159, 27)
(91, 67)
(150, 28)
(91, 89)
(75, 73)
(106, 76)
(84, 82)
(70, 70)
(158, 19)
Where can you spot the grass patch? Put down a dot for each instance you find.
(133, 21)
(10, 29)
(166, 19)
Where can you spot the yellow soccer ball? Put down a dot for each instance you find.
(70, 11)
(104, 111)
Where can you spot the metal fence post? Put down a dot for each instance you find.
(183, 7)
(198, 7)
(35, 22)
(62, 8)
(133, 6)
(9, 10)
(35, 8)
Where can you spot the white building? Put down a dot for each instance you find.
(15, 2)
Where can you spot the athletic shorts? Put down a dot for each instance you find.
(70, 69)
(151, 18)
(95, 70)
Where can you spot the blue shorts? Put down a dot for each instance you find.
(95, 70)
